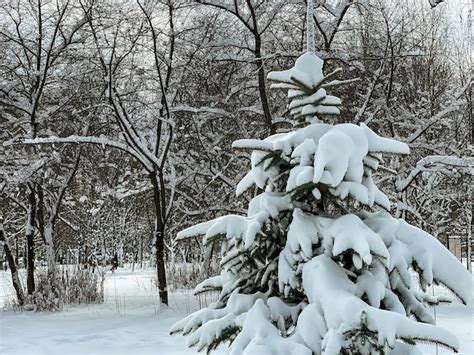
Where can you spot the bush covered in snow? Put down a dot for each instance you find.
(66, 286)
(305, 272)
(181, 275)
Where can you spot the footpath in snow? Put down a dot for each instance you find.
(131, 321)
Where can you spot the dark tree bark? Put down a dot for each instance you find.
(261, 85)
(159, 240)
(261, 70)
(40, 211)
(12, 265)
(30, 246)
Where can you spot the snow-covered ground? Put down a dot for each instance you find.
(131, 321)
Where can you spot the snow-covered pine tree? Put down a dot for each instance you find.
(302, 273)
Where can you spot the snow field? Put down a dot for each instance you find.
(131, 321)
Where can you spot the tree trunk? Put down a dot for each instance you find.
(49, 248)
(12, 266)
(40, 211)
(17, 251)
(160, 265)
(207, 262)
(469, 233)
(30, 246)
(141, 251)
(85, 263)
(159, 240)
(261, 84)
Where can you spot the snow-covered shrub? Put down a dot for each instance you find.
(188, 275)
(49, 294)
(305, 272)
(66, 286)
(84, 286)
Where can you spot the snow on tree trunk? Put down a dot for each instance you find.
(469, 213)
(49, 247)
(314, 268)
(310, 30)
(159, 240)
(12, 265)
(120, 254)
(30, 246)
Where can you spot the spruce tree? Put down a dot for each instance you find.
(318, 265)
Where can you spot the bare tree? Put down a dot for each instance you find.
(256, 18)
(150, 152)
(36, 47)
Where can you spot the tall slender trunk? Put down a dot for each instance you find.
(17, 251)
(86, 257)
(12, 266)
(261, 84)
(40, 210)
(207, 262)
(470, 213)
(30, 246)
(159, 239)
(141, 251)
(470, 208)
(49, 247)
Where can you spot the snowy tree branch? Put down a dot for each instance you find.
(105, 142)
(435, 161)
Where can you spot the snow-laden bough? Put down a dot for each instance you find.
(302, 274)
